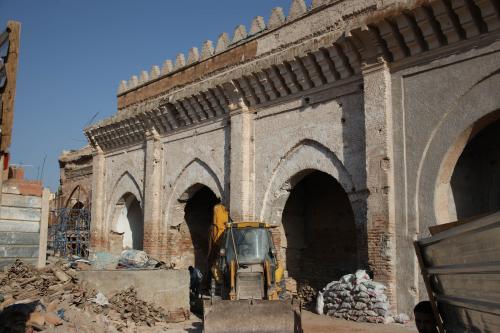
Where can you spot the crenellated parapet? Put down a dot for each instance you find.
(241, 34)
(308, 50)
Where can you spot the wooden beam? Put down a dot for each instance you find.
(428, 287)
(9, 93)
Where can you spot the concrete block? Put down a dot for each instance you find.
(19, 238)
(11, 189)
(19, 251)
(19, 226)
(166, 288)
(20, 214)
(13, 200)
(6, 262)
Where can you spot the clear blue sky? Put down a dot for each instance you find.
(74, 53)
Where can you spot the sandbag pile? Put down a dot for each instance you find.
(355, 297)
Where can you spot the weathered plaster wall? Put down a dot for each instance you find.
(75, 178)
(23, 226)
(383, 101)
(435, 104)
(195, 156)
(328, 137)
(124, 173)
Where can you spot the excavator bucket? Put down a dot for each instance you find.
(248, 316)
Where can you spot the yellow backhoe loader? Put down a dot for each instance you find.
(247, 286)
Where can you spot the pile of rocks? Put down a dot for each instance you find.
(307, 294)
(128, 306)
(355, 297)
(23, 282)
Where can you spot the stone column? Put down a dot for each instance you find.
(98, 227)
(379, 174)
(242, 165)
(152, 196)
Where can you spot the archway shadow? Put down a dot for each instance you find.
(320, 231)
(198, 214)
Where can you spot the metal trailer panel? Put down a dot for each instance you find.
(461, 267)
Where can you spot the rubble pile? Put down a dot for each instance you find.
(307, 294)
(355, 297)
(142, 313)
(49, 295)
(24, 282)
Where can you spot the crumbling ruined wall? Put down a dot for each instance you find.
(124, 177)
(75, 178)
(24, 215)
(196, 158)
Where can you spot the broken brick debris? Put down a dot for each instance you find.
(55, 289)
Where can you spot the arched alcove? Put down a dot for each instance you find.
(129, 221)
(194, 232)
(470, 175)
(319, 240)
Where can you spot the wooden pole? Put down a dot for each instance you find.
(8, 95)
(430, 293)
(14, 29)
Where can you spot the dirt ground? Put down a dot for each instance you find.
(313, 323)
(52, 300)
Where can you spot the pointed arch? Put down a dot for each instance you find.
(83, 196)
(126, 183)
(193, 176)
(456, 127)
(302, 158)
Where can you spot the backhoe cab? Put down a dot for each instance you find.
(247, 267)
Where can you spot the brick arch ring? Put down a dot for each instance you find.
(196, 174)
(447, 143)
(125, 184)
(305, 155)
